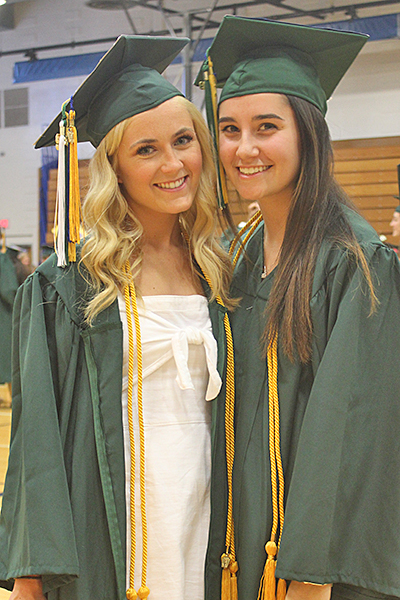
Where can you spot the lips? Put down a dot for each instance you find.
(172, 185)
(253, 170)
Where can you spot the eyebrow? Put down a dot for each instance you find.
(256, 118)
(144, 141)
(154, 140)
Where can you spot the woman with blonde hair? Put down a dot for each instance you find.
(107, 492)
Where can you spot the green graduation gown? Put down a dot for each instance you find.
(8, 289)
(340, 432)
(63, 512)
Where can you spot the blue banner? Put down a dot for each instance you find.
(55, 68)
(378, 28)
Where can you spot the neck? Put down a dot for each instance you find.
(161, 231)
(275, 214)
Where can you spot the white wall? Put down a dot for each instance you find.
(366, 103)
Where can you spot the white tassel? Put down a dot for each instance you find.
(59, 225)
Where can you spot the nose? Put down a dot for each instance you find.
(171, 161)
(247, 147)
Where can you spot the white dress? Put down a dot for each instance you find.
(179, 374)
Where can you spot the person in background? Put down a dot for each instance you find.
(305, 485)
(395, 224)
(8, 289)
(107, 490)
(252, 209)
(26, 265)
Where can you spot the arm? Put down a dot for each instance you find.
(299, 590)
(26, 588)
(32, 522)
(346, 478)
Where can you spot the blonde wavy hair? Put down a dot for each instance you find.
(115, 234)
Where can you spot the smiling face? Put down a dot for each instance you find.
(259, 146)
(395, 223)
(159, 161)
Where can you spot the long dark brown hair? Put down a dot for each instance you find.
(316, 213)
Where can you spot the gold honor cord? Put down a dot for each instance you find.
(229, 564)
(268, 589)
(251, 226)
(131, 307)
(228, 559)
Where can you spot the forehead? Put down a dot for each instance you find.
(170, 116)
(255, 104)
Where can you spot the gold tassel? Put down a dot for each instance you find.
(226, 578)
(281, 590)
(233, 567)
(268, 581)
(74, 193)
(229, 580)
(131, 594)
(220, 170)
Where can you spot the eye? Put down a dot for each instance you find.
(229, 129)
(145, 150)
(183, 140)
(267, 126)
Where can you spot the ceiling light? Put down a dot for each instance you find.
(2, 2)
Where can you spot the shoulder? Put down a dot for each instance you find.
(54, 284)
(336, 261)
(364, 232)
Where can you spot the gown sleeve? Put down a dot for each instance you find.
(8, 280)
(342, 519)
(36, 525)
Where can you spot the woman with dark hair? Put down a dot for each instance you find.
(306, 468)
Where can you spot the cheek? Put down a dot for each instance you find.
(196, 164)
(132, 175)
(226, 152)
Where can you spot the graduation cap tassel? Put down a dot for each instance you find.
(60, 214)
(210, 88)
(74, 193)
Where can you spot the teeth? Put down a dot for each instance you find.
(252, 170)
(171, 184)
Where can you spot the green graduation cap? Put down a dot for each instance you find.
(253, 56)
(126, 82)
